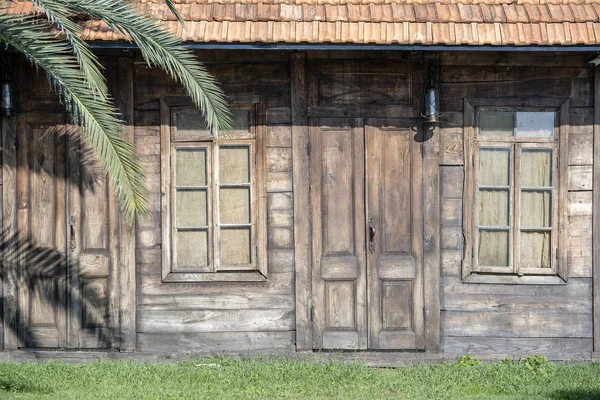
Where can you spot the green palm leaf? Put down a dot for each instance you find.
(57, 14)
(162, 49)
(96, 115)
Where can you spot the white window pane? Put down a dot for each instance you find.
(535, 250)
(192, 208)
(536, 167)
(535, 124)
(234, 164)
(496, 123)
(494, 166)
(235, 246)
(494, 208)
(493, 249)
(190, 123)
(191, 249)
(190, 167)
(536, 209)
(235, 205)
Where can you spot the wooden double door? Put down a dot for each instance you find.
(367, 234)
(65, 244)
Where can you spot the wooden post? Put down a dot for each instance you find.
(302, 237)
(431, 232)
(127, 310)
(9, 231)
(596, 216)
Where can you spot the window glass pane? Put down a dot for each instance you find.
(535, 250)
(241, 120)
(192, 208)
(536, 167)
(535, 124)
(495, 123)
(190, 123)
(235, 205)
(493, 248)
(190, 167)
(536, 209)
(191, 249)
(494, 208)
(235, 246)
(494, 166)
(234, 164)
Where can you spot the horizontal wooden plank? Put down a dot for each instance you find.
(393, 267)
(517, 324)
(451, 262)
(279, 136)
(279, 181)
(452, 237)
(581, 149)
(580, 177)
(579, 256)
(508, 59)
(514, 303)
(559, 349)
(279, 159)
(580, 203)
(280, 237)
(216, 302)
(279, 115)
(451, 212)
(575, 288)
(340, 267)
(280, 260)
(452, 181)
(277, 283)
(157, 321)
(216, 342)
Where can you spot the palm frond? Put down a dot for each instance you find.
(175, 12)
(57, 14)
(162, 49)
(96, 115)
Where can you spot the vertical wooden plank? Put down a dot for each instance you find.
(9, 231)
(431, 236)
(301, 159)
(468, 201)
(596, 212)
(563, 191)
(127, 298)
(22, 229)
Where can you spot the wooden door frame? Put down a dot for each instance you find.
(299, 77)
(119, 72)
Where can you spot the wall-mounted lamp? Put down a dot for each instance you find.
(432, 110)
(7, 89)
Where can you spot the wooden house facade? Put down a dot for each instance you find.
(333, 217)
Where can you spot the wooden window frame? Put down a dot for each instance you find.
(559, 273)
(256, 142)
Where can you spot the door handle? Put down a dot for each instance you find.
(372, 232)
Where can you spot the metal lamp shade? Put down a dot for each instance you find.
(431, 105)
(7, 98)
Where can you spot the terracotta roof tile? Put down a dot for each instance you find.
(450, 22)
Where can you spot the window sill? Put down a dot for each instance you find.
(194, 277)
(514, 279)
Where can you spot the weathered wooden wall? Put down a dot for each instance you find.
(226, 316)
(485, 319)
(518, 319)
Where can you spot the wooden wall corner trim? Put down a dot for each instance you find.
(596, 213)
(127, 277)
(9, 230)
(301, 182)
(431, 240)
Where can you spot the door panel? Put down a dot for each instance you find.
(41, 240)
(394, 215)
(92, 253)
(66, 241)
(337, 206)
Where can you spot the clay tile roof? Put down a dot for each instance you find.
(426, 22)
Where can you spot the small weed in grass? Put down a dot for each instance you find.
(234, 378)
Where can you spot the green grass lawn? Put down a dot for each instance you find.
(223, 378)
